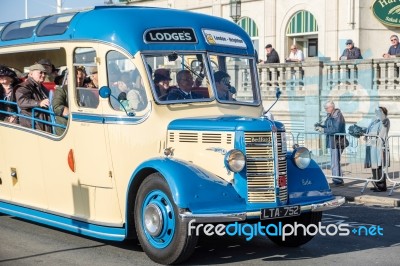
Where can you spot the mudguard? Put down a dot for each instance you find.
(306, 185)
(195, 188)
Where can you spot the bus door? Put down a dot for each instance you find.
(92, 162)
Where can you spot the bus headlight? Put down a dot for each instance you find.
(235, 160)
(301, 157)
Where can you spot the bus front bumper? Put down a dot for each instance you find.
(242, 216)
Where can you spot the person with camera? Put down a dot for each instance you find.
(334, 124)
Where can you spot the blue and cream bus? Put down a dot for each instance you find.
(146, 169)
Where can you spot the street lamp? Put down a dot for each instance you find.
(235, 7)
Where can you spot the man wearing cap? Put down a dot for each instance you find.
(272, 55)
(161, 81)
(32, 94)
(350, 52)
(49, 69)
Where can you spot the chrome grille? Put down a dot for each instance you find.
(260, 164)
(282, 164)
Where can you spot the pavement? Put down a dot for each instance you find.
(351, 190)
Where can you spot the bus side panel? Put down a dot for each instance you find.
(23, 152)
(5, 171)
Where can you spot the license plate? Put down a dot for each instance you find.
(280, 212)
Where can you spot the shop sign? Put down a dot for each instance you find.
(387, 12)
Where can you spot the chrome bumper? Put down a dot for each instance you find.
(242, 216)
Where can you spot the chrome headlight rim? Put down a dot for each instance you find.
(301, 157)
(235, 160)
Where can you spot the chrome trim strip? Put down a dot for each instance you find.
(242, 216)
(214, 217)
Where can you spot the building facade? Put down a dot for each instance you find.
(320, 28)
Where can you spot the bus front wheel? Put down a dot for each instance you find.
(163, 236)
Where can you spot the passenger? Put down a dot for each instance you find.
(118, 88)
(223, 83)
(162, 77)
(86, 97)
(80, 76)
(8, 81)
(93, 81)
(32, 94)
(60, 107)
(50, 69)
(185, 83)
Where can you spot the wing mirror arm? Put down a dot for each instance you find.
(105, 92)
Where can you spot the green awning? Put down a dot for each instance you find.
(302, 23)
(249, 26)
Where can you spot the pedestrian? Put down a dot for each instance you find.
(375, 156)
(295, 55)
(272, 55)
(334, 124)
(394, 49)
(351, 52)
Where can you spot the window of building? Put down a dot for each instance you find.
(251, 29)
(302, 30)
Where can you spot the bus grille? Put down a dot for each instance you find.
(261, 171)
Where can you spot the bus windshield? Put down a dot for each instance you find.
(193, 77)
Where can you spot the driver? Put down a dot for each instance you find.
(185, 83)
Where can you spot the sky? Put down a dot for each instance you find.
(15, 9)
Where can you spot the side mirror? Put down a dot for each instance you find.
(278, 93)
(105, 92)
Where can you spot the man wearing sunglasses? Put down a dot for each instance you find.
(351, 52)
(394, 49)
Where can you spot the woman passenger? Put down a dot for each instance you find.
(8, 80)
(161, 81)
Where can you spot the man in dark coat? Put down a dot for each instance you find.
(272, 55)
(32, 94)
(351, 52)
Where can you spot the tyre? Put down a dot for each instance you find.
(301, 238)
(163, 236)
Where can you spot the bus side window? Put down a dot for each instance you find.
(87, 94)
(125, 83)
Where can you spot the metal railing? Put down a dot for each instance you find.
(33, 119)
(353, 157)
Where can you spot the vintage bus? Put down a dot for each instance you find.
(130, 164)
